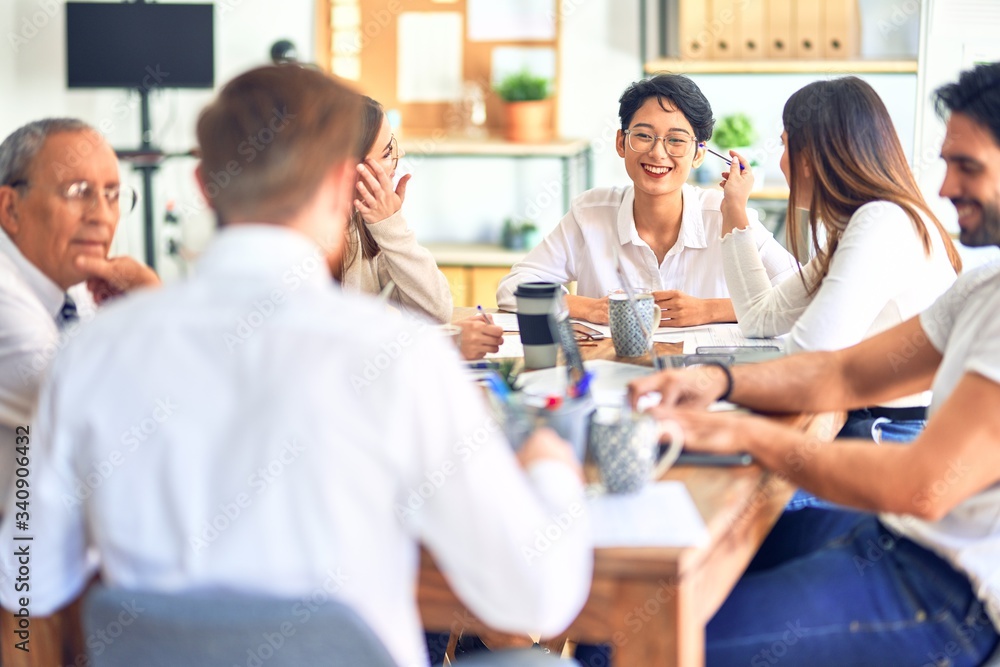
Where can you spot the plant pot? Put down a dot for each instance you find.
(528, 122)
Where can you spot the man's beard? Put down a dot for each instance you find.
(988, 231)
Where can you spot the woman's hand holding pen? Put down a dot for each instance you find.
(479, 336)
(376, 199)
(736, 186)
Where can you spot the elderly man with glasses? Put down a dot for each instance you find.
(60, 201)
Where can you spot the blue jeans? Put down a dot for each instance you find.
(834, 587)
(862, 425)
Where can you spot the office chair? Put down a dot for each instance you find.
(219, 629)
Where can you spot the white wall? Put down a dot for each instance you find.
(448, 199)
(957, 34)
(33, 86)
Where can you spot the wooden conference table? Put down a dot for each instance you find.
(652, 604)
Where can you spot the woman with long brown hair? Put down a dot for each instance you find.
(381, 247)
(881, 256)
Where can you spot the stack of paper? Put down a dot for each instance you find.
(661, 515)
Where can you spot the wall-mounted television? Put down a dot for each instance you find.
(139, 45)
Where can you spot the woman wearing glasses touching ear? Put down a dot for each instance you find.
(666, 231)
(380, 245)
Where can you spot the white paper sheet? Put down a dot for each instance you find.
(609, 386)
(511, 20)
(429, 57)
(506, 320)
(661, 515)
(511, 347)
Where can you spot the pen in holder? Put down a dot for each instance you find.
(569, 417)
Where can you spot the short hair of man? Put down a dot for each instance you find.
(18, 150)
(271, 136)
(680, 91)
(976, 94)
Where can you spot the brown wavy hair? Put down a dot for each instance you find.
(842, 130)
(372, 114)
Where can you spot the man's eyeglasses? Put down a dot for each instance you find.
(84, 195)
(676, 144)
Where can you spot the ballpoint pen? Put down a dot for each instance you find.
(720, 155)
(482, 314)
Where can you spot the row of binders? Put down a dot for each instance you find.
(747, 29)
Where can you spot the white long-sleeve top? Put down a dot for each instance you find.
(580, 249)
(256, 428)
(879, 276)
(421, 288)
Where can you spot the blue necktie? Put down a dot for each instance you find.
(67, 314)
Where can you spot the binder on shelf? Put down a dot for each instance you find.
(841, 30)
(751, 29)
(692, 26)
(808, 29)
(779, 17)
(724, 26)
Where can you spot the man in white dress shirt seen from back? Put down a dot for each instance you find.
(263, 465)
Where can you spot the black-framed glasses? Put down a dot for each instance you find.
(677, 144)
(84, 195)
(395, 152)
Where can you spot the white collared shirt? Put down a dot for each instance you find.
(580, 249)
(29, 340)
(256, 428)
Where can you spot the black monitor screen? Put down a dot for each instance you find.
(118, 45)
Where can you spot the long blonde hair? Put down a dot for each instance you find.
(842, 130)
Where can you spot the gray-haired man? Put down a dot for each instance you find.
(60, 201)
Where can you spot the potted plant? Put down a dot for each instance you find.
(527, 107)
(736, 132)
(518, 234)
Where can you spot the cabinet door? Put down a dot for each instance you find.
(483, 284)
(458, 281)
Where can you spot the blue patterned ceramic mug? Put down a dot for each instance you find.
(626, 444)
(627, 335)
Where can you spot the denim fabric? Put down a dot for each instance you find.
(834, 587)
(590, 655)
(860, 424)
